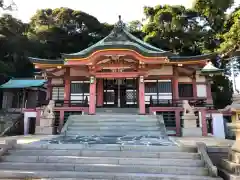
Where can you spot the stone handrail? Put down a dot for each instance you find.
(202, 150)
(64, 128)
(8, 144)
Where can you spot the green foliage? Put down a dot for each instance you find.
(173, 28)
(64, 30)
(14, 48)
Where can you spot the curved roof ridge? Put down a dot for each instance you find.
(143, 42)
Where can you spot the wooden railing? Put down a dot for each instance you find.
(65, 103)
(196, 102)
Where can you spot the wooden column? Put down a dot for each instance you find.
(141, 93)
(100, 93)
(175, 93)
(67, 84)
(209, 92)
(194, 85)
(61, 119)
(49, 89)
(92, 98)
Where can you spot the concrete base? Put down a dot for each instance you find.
(226, 175)
(43, 130)
(192, 132)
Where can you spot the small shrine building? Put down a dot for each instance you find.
(122, 71)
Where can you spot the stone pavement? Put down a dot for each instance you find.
(209, 141)
(189, 141)
(24, 139)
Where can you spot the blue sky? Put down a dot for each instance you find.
(104, 10)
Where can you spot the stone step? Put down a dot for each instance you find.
(106, 147)
(112, 128)
(98, 153)
(117, 110)
(104, 160)
(114, 115)
(97, 175)
(114, 133)
(113, 118)
(179, 170)
(132, 124)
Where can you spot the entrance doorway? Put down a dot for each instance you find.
(120, 93)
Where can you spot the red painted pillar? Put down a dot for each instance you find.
(175, 94)
(204, 123)
(67, 84)
(209, 93)
(100, 92)
(67, 92)
(141, 93)
(61, 119)
(49, 89)
(92, 98)
(178, 123)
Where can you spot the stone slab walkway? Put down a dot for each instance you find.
(189, 141)
(209, 141)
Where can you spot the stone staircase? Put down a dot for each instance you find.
(103, 161)
(117, 110)
(113, 125)
(106, 147)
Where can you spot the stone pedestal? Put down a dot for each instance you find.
(231, 166)
(45, 127)
(190, 126)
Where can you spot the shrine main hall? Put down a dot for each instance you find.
(122, 71)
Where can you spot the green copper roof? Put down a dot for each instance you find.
(211, 69)
(120, 38)
(190, 58)
(23, 83)
(46, 61)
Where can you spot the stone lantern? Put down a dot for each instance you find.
(231, 166)
(209, 70)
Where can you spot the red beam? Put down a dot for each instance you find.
(118, 75)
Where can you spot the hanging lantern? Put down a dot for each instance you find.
(92, 79)
(141, 79)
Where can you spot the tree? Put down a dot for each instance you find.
(173, 28)
(212, 14)
(14, 48)
(63, 30)
(192, 31)
(10, 6)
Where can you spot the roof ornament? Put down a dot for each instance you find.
(119, 26)
(117, 33)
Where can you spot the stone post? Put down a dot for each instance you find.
(47, 119)
(190, 122)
